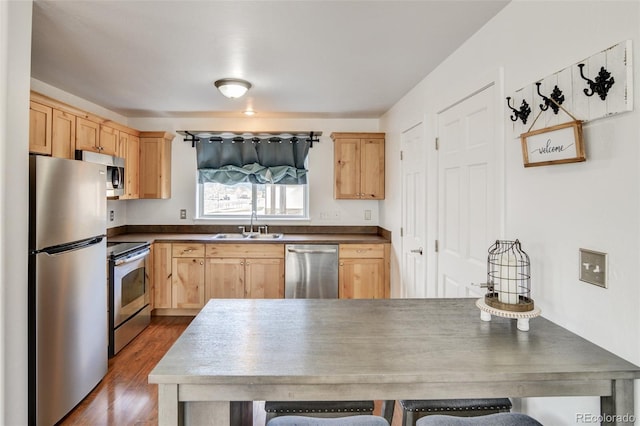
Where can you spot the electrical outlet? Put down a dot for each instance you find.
(183, 213)
(112, 215)
(324, 215)
(367, 215)
(593, 267)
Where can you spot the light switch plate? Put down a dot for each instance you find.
(593, 267)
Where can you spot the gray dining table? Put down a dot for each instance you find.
(239, 350)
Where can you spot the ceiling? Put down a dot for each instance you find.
(343, 59)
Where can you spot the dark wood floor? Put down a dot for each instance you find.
(124, 397)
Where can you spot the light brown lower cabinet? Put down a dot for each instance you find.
(187, 283)
(253, 271)
(161, 284)
(363, 271)
(186, 276)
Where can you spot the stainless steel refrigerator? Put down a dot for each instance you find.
(67, 285)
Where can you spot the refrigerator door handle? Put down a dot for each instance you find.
(78, 245)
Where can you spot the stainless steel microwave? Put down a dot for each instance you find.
(115, 170)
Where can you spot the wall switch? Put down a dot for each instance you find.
(367, 215)
(112, 215)
(183, 213)
(593, 267)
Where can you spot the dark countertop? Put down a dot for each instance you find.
(286, 239)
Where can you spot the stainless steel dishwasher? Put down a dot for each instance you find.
(311, 271)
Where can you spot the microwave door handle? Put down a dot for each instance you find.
(115, 177)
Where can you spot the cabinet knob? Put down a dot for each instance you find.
(201, 262)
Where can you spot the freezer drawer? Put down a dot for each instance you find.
(311, 271)
(69, 329)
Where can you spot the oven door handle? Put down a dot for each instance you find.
(132, 258)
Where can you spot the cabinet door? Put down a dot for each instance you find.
(265, 278)
(161, 276)
(129, 149)
(361, 278)
(109, 140)
(224, 278)
(87, 135)
(372, 169)
(346, 168)
(63, 134)
(40, 128)
(155, 167)
(187, 283)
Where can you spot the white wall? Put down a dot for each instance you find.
(183, 188)
(15, 66)
(553, 210)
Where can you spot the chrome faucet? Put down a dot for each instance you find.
(253, 214)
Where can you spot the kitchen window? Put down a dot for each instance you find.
(269, 201)
(239, 175)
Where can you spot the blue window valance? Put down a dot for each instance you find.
(256, 160)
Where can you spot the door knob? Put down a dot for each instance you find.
(418, 250)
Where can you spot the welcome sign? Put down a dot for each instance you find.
(553, 145)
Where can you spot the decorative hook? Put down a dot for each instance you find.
(601, 86)
(521, 114)
(557, 98)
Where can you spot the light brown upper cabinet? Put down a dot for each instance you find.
(129, 149)
(87, 135)
(109, 139)
(40, 117)
(358, 166)
(63, 135)
(51, 131)
(155, 164)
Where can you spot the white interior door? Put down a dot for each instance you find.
(413, 213)
(467, 216)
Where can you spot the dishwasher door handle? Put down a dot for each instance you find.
(309, 251)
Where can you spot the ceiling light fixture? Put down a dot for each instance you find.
(232, 87)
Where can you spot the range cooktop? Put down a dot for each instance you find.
(119, 249)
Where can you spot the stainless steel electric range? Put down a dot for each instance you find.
(129, 311)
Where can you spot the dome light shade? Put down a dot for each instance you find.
(232, 87)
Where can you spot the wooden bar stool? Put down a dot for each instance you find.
(412, 410)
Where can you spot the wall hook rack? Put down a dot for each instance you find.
(522, 113)
(554, 100)
(601, 86)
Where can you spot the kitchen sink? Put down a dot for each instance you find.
(231, 236)
(274, 236)
(247, 236)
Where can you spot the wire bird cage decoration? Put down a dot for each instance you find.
(508, 277)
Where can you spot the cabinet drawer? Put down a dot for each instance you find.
(252, 250)
(360, 251)
(187, 250)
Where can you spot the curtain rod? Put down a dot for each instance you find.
(195, 136)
